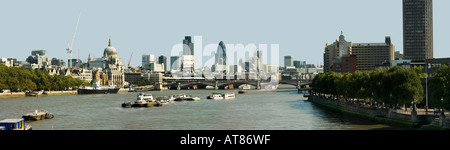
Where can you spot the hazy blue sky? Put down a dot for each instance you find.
(300, 27)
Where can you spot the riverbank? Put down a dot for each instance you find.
(49, 93)
(388, 116)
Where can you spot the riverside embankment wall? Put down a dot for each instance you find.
(388, 116)
(49, 93)
(19, 94)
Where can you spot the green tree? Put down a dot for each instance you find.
(344, 85)
(406, 86)
(419, 71)
(439, 85)
(376, 85)
(42, 80)
(361, 85)
(332, 80)
(3, 76)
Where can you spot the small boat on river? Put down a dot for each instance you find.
(38, 115)
(229, 95)
(145, 96)
(33, 93)
(215, 96)
(218, 96)
(161, 103)
(184, 97)
(143, 100)
(187, 99)
(14, 124)
(243, 92)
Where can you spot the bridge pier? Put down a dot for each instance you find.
(258, 85)
(216, 86)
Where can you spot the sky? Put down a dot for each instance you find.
(301, 28)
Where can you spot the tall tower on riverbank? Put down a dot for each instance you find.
(418, 29)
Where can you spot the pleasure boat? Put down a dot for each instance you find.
(145, 96)
(183, 97)
(229, 95)
(143, 100)
(215, 96)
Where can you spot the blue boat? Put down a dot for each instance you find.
(14, 124)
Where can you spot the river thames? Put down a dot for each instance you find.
(281, 109)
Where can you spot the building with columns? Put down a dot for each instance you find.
(110, 65)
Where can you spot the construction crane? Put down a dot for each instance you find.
(69, 47)
(130, 60)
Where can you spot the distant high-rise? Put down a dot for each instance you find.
(175, 63)
(299, 64)
(163, 60)
(288, 61)
(221, 54)
(188, 46)
(148, 59)
(418, 29)
(188, 58)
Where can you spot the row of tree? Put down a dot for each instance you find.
(22, 78)
(391, 86)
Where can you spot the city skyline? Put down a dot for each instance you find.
(137, 28)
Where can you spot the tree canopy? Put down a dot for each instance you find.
(439, 85)
(21, 78)
(393, 85)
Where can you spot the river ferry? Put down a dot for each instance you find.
(145, 96)
(226, 95)
(229, 95)
(95, 89)
(143, 100)
(215, 96)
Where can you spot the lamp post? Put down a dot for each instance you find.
(442, 109)
(426, 89)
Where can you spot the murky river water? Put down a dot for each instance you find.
(257, 110)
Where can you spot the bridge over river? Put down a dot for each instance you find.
(231, 84)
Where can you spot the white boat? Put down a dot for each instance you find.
(185, 98)
(229, 95)
(143, 100)
(215, 96)
(177, 96)
(145, 96)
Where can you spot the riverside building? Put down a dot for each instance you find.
(368, 55)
